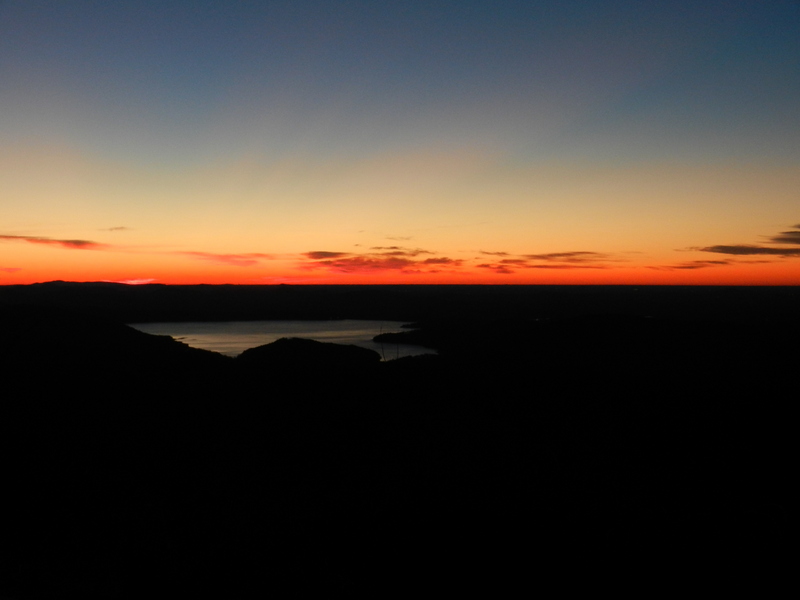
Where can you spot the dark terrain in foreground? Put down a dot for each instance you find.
(552, 421)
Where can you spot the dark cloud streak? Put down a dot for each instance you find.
(578, 259)
(498, 269)
(324, 254)
(578, 256)
(787, 237)
(693, 265)
(747, 250)
(364, 263)
(71, 244)
(566, 266)
(400, 251)
(389, 258)
(443, 261)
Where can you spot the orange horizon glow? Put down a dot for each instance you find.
(780, 274)
(775, 261)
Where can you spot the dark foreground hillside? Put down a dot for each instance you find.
(135, 466)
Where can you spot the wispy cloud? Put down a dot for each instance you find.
(497, 268)
(71, 244)
(453, 262)
(121, 228)
(572, 257)
(383, 258)
(400, 251)
(567, 266)
(693, 265)
(576, 259)
(514, 261)
(748, 250)
(788, 238)
(363, 263)
(10, 269)
(234, 260)
(324, 254)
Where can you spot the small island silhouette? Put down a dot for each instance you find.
(549, 418)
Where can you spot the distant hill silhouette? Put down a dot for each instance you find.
(158, 302)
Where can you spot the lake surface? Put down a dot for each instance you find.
(234, 337)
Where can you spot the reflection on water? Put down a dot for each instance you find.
(234, 337)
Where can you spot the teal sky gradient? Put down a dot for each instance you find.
(196, 80)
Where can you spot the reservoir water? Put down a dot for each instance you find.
(234, 337)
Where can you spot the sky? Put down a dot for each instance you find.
(436, 142)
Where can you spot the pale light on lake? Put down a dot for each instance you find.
(234, 337)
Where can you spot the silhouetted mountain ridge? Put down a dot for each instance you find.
(158, 302)
(134, 462)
